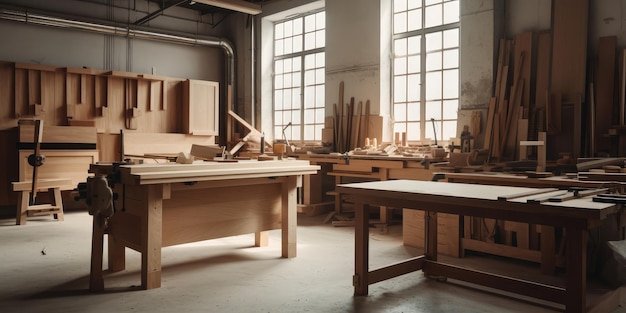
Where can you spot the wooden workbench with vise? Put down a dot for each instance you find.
(160, 205)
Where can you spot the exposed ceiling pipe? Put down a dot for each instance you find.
(134, 32)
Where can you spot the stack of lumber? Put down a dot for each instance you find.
(556, 70)
(509, 108)
(351, 124)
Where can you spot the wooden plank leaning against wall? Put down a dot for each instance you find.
(108, 100)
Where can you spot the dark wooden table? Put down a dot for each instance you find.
(576, 216)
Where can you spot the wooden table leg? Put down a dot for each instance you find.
(361, 247)
(576, 268)
(152, 238)
(261, 239)
(96, 280)
(548, 262)
(289, 216)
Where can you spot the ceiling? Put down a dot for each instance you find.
(197, 6)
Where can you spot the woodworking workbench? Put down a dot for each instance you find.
(160, 205)
(528, 237)
(576, 216)
(336, 169)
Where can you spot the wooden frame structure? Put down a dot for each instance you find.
(575, 216)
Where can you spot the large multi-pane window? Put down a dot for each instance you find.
(426, 68)
(299, 76)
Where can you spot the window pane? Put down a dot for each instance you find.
(413, 131)
(278, 81)
(318, 132)
(278, 118)
(450, 109)
(399, 112)
(433, 16)
(320, 39)
(451, 12)
(414, 20)
(399, 5)
(320, 20)
(278, 100)
(309, 62)
(297, 26)
(309, 132)
(413, 111)
(278, 31)
(433, 85)
(309, 97)
(451, 58)
(400, 47)
(435, 133)
(399, 86)
(319, 96)
(278, 47)
(287, 100)
(433, 61)
(320, 59)
(414, 64)
(309, 23)
(451, 81)
(413, 44)
(399, 66)
(399, 127)
(287, 28)
(296, 79)
(295, 97)
(430, 2)
(413, 86)
(297, 43)
(309, 77)
(309, 117)
(399, 22)
(319, 116)
(296, 64)
(433, 41)
(451, 38)
(278, 66)
(287, 81)
(320, 75)
(295, 132)
(414, 4)
(295, 117)
(309, 41)
(449, 129)
(433, 110)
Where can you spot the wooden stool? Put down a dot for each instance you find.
(54, 190)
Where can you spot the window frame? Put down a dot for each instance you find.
(424, 121)
(303, 53)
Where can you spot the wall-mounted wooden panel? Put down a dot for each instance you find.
(201, 107)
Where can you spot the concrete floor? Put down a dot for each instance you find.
(45, 268)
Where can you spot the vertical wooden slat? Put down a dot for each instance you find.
(605, 87)
(569, 51)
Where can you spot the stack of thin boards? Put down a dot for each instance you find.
(557, 59)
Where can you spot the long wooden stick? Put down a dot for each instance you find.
(38, 137)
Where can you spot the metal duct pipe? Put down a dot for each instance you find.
(135, 32)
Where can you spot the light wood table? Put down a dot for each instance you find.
(161, 205)
(575, 216)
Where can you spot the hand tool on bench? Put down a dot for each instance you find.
(610, 198)
(36, 160)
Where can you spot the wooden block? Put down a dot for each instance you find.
(207, 152)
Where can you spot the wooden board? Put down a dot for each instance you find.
(605, 87)
(58, 134)
(524, 45)
(139, 143)
(569, 50)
